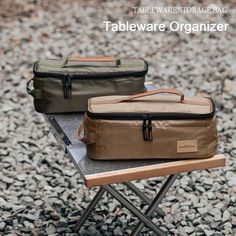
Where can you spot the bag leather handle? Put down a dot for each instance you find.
(153, 92)
(92, 59)
(141, 95)
(115, 60)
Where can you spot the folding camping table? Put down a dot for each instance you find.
(106, 173)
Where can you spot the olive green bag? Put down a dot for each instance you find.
(66, 85)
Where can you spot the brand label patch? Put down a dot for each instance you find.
(187, 146)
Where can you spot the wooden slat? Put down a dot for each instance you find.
(155, 170)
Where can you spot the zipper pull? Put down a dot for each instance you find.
(145, 129)
(64, 85)
(69, 85)
(150, 137)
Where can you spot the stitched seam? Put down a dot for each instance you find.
(96, 138)
(207, 139)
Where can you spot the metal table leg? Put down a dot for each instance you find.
(155, 202)
(134, 210)
(89, 209)
(143, 197)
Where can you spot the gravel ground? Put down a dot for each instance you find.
(40, 191)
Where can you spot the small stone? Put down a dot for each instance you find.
(62, 223)
(27, 199)
(3, 152)
(216, 213)
(232, 181)
(38, 203)
(117, 231)
(200, 189)
(15, 223)
(218, 234)
(38, 223)
(197, 221)
(55, 216)
(50, 229)
(104, 228)
(108, 221)
(202, 210)
(25, 230)
(28, 224)
(98, 218)
(7, 180)
(209, 232)
(8, 229)
(226, 216)
(190, 217)
(21, 177)
(210, 195)
(201, 228)
(2, 226)
(9, 221)
(6, 108)
(171, 199)
(92, 230)
(30, 217)
(188, 229)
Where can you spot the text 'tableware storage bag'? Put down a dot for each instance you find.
(149, 125)
(65, 85)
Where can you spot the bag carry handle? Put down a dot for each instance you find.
(141, 95)
(115, 60)
(35, 93)
(153, 92)
(85, 139)
(28, 89)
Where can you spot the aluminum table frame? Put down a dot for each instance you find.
(143, 217)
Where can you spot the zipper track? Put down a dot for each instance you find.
(60, 75)
(152, 116)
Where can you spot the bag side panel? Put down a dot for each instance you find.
(53, 100)
(172, 139)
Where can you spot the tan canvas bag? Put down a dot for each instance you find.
(149, 125)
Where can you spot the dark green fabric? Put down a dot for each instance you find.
(126, 65)
(48, 91)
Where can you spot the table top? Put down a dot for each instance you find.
(95, 173)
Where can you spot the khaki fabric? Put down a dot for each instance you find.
(154, 103)
(172, 138)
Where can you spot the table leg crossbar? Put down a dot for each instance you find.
(144, 218)
(143, 197)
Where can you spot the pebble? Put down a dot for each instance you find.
(7, 180)
(50, 229)
(118, 232)
(38, 203)
(27, 199)
(28, 224)
(2, 226)
(226, 216)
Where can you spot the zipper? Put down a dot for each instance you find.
(97, 75)
(67, 86)
(147, 118)
(147, 128)
(150, 137)
(153, 115)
